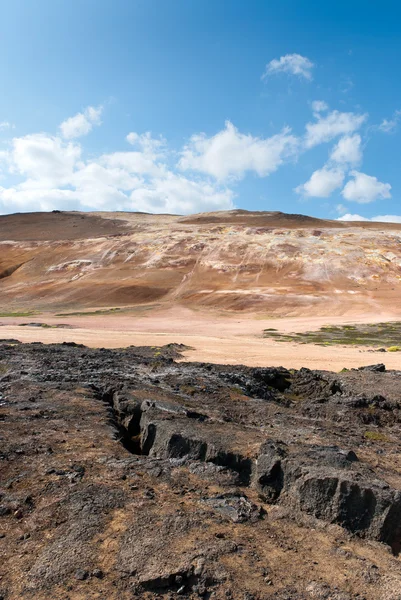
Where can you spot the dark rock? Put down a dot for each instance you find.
(327, 483)
(98, 573)
(269, 476)
(81, 574)
(237, 508)
(379, 368)
(159, 457)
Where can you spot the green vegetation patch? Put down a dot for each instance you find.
(29, 313)
(386, 335)
(376, 436)
(104, 311)
(108, 311)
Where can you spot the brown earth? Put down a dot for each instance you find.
(134, 473)
(55, 226)
(270, 263)
(127, 475)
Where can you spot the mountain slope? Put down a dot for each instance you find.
(269, 262)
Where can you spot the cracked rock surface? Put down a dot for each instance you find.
(127, 474)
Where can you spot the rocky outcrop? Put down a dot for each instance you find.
(128, 475)
(332, 485)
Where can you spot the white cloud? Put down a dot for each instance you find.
(177, 194)
(295, 64)
(94, 176)
(230, 154)
(390, 125)
(147, 143)
(15, 199)
(82, 123)
(50, 171)
(6, 125)
(347, 150)
(55, 176)
(132, 162)
(350, 217)
(322, 183)
(319, 106)
(387, 219)
(44, 158)
(332, 125)
(365, 188)
(378, 219)
(4, 161)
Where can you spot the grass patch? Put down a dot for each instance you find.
(46, 325)
(108, 311)
(387, 335)
(105, 311)
(28, 313)
(375, 436)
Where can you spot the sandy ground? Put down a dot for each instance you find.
(213, 337)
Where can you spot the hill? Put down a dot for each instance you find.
(268, 262)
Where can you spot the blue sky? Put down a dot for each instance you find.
(191, 105)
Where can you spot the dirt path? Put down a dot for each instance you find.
(213, 337)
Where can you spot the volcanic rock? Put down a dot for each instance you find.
(170, 479)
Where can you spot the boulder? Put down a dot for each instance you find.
(330, 484)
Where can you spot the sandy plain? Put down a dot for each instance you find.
(213, 282)
(212, 337)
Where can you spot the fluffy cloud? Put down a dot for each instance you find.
(45, 159)
(54, 175)
(147, 143)
(17, 199)
(390, 125)
(346, 153)
(230, 154)
(82, 123)
(347, 150)
(322, 183)
(378, 219)
(294, 64)
(178, 195)
(132, 162)
(365, 188)
(331, 126)
(51, 171)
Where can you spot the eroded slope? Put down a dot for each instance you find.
(269, 262)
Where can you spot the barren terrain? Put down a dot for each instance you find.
(207, 335)
(213, 282)
(127, 475)
(160, 436)
(270, 263)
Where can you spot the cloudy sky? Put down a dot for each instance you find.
(184, 106)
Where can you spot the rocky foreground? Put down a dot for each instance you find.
(126, 474)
